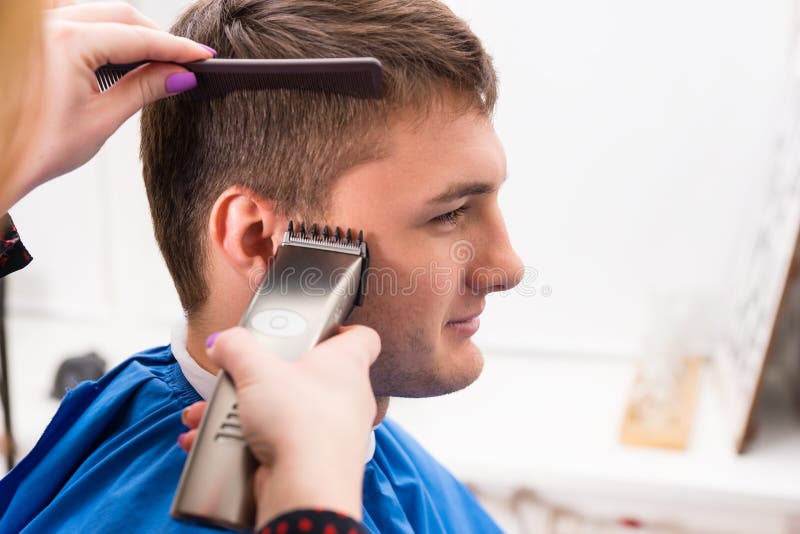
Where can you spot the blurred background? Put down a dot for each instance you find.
(643, 140)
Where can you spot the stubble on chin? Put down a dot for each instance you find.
(411, 367)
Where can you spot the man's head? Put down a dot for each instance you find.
(418, 171)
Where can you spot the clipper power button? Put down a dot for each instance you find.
(278, 323)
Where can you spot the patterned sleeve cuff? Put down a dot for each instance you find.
(13, 255)
(313, 522)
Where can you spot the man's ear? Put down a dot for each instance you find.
(244, 229)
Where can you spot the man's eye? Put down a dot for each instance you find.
(451, 217)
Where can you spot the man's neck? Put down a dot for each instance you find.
(196, 346)
(196, 336)
(383, 407)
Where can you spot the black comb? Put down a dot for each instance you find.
(358, 77)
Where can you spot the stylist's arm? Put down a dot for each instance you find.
(73, 118)
(307, 422)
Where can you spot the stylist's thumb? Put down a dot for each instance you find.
(360, 343)
(142, 86)
(244, 358)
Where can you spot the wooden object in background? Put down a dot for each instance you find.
(662, 420)
(761, 292)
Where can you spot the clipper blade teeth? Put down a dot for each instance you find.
(321, 236)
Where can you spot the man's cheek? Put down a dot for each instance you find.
(417, 278)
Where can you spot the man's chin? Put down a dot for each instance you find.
(464, 360)
(470, 366)
(455, 370)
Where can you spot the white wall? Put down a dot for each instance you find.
(637, 133)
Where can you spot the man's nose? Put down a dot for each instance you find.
(496, 266)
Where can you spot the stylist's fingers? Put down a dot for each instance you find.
(192, 415)
(238, 352)
(186, 439)
(112, 42)
(120, 12)
(100, 43)
(138, 88)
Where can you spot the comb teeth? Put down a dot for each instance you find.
(324, 237)
(108, 75)
(356, 77)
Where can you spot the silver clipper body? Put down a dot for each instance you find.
(315, 280)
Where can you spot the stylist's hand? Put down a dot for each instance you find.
(74, 118)
(307, 422)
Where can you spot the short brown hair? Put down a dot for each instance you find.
(289, 146)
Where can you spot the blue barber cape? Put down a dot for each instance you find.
(109, 462)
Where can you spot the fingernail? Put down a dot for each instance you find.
(211, 339)
(184, 415)
(213, 52)
(181, 438)
(180, 82)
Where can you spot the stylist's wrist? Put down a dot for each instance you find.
(299, 485)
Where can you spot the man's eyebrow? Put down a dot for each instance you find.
(463, 189)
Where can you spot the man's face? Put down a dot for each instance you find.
(438, 244)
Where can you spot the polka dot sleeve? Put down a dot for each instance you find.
(313, 522)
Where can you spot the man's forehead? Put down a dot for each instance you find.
(432, 116)
(437, 161)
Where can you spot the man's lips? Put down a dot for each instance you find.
(465, 326)
(470, 317)
(466, 319)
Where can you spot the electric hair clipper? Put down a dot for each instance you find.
(315, 280)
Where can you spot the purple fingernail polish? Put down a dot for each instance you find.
(211, 339)
(214, 52)
(180, 82)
